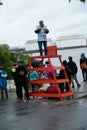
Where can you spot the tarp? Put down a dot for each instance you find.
(3, 81)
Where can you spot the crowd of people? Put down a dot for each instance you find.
(20, 76)
(20, 73)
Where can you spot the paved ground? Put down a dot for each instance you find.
(43, 114)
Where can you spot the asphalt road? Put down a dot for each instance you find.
(43, 114)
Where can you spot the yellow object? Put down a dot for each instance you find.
(13, 69)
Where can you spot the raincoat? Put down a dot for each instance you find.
(3, 81)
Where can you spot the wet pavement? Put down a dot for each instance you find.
(45, 114)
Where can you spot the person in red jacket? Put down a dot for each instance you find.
(83, 66)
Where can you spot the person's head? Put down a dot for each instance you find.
(1, 68)
(47, 62)
(14, 64)
(41, 23)
(82, 55)
(20, 63)
(64, 62)
(70, 58)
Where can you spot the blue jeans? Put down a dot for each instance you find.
(40, 47)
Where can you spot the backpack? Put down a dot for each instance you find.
(84, 65)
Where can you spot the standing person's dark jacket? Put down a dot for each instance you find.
(21, 72)
(67, 69)
(22, 79)
(62, 75)
(72, 65)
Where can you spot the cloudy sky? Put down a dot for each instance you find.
(19, 18)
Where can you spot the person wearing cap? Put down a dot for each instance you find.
(3, 82)
(83, 66)
(73, 67)
(42, 32)
(21, 72)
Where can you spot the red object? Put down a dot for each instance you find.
(52, 50)
(53, 91)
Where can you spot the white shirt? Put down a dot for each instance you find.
(41, 35)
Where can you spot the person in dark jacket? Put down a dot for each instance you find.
(22, 79)
(83, 66)
(73, 67)
(62, 75)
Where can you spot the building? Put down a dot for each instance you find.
(67, 41)
(33, 44)
(71, 41)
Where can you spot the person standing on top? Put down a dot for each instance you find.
(42, 32)
(83, 66)
(73, 67)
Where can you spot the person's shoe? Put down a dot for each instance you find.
(27, 99)
(19, 99)
(79, 85)
(84, 80)
(2, 96)
(73, 86)
(6, 96)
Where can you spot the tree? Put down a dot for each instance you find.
(6, 46)
(79, 0)
(5, 60)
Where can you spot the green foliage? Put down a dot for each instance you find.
(5, 60)
(6, 46)
(24, 58)
(79, 0)
(83, 1)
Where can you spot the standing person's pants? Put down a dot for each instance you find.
(40, 47)
(22, 83)
(84, 74)
(2, 93)
(17, 88)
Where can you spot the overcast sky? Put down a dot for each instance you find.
(19, 18)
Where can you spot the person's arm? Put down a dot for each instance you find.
(76, 68)
(46, 30)
(37, 29)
